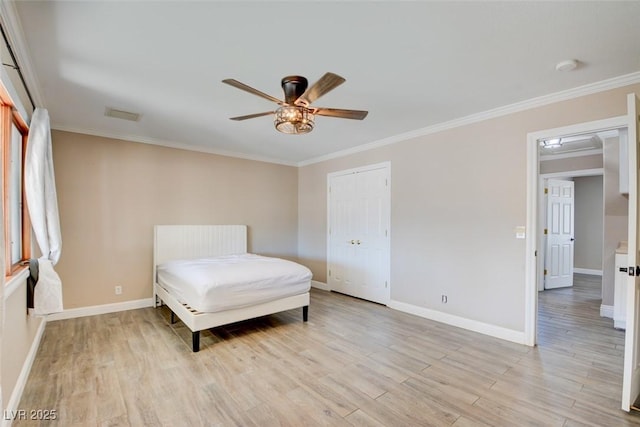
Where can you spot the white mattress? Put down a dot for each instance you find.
(232, 281)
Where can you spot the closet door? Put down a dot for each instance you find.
(358, 241)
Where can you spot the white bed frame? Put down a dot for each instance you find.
(194, 241)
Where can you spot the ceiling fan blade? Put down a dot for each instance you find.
(326, 83)
(344, 114)
(251, 116)
(246, 88)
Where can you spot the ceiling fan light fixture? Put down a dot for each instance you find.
(295, 116)
(294, 119)
(551, 143)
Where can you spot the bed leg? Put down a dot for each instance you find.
(173, 318)
(195, 339)
(305, 313)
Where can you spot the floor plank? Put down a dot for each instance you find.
(353, 363)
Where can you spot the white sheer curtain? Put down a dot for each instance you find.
(40, 191)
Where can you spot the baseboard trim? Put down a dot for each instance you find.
(588, 271)
(320, 285)
(101, 309)
(21, 382)
(606, 311)
(461, 322)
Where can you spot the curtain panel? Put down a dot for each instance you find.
(40, 191)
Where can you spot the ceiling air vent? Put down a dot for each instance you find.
(120, 114)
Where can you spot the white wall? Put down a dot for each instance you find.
(588, 222)
(112, 192)
(20, 337)
(457, 196)
(550, 165)
(615, 217)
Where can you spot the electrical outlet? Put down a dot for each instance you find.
(444, 299)
(118, 290)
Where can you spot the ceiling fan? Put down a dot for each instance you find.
(296, 115)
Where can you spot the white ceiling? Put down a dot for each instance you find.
(411, 64)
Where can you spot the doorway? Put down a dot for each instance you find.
(630, 122)
(587, 256)
(535, 215)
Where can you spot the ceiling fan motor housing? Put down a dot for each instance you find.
(294, 87)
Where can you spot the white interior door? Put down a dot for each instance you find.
(559, 251)
(631, 377)
(359, 214)
(342, 212)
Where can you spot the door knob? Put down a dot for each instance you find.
(358, 241)
(572, 239)
(351, 241)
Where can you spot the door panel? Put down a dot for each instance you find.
(560, 238)
(631, 374)
(341, 228)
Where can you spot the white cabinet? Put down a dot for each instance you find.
(619, 292)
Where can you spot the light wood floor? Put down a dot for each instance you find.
(353, 363)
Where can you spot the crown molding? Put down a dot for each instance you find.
(172, 144)
(589, 89)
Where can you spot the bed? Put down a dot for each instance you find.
(175, 244)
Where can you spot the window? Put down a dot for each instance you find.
(15, 195)
(13, 137)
